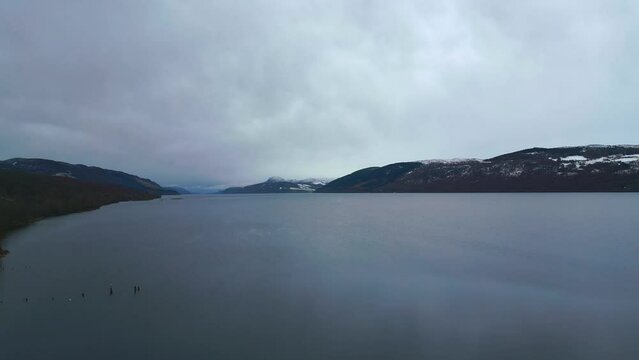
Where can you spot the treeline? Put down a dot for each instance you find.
(25, 198)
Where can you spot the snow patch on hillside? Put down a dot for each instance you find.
(315, 181)
(64, 174)
(578, 160)
(614, 158)
(303, 187)
(612, 146)
(309, 181)
(448, 161)
(574, 158)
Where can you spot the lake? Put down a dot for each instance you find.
(328, 276)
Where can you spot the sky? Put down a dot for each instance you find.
(217, 92)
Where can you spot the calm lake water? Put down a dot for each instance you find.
(329, 276)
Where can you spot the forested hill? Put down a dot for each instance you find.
(26, 197)
(85, 173)
(567, 169)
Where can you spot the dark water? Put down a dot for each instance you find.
(322, 276)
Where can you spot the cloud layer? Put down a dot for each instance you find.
(232, 92)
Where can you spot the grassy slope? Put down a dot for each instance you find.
(25, 198)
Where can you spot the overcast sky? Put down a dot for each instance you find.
(231, 92)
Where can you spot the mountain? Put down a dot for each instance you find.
(26, 197)
(178, 190)
(84, 173)
(569, 169)
(278, 185)
(203, 189)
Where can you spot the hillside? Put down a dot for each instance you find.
(25, 197)
(594, 168)
(278, 185)
(85, 173)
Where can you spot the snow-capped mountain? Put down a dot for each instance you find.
(279, 185)
(578, 168)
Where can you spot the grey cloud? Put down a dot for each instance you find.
(232, 92)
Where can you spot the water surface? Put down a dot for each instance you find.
(329, 276)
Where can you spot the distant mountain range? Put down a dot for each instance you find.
(279, 185)
(31, 189)
(568, 169)
(177, 190)
(34, 188)
(85, 173)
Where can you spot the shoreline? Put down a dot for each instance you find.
(27, 198)
(6, 232)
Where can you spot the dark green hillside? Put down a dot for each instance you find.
(25, 198)
(84, 173)
(370, 179)
(592, 168)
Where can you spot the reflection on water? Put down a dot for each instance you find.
(323, 276)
